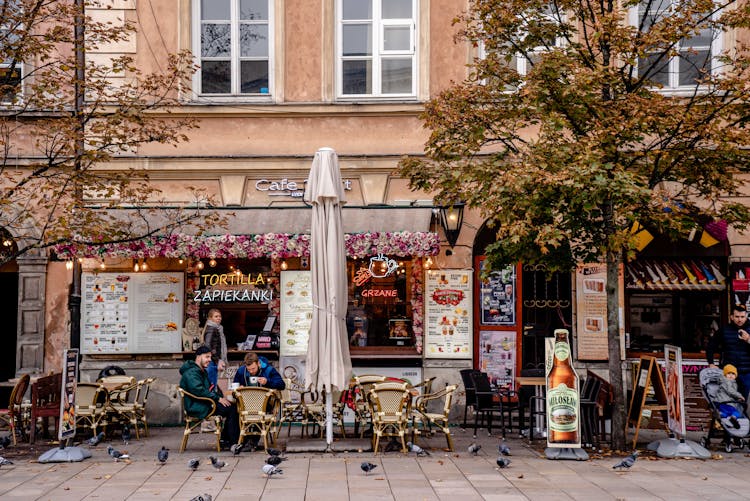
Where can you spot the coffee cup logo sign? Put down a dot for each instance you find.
(381, 266)
(285, 188)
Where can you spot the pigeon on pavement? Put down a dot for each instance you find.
(116, 454)
(5, 442)
(217, 463)
(502, 462)
(194, 463)
(235, 449)
(275, 460)
(94, 441)
(4, 461)
(271, 470)
(367, 467)
(474, 449)
(503, 449)
(163, 454)
(205, 497)
(126, 434)
(393, 445)
(274, 452)
(417, 449)
(627, 462)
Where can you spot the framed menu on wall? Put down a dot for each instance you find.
(448, 319)
(296, 312)
(131, 312)
(497, 300)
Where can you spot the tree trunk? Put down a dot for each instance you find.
(614, 260)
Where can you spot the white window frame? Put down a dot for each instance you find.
(20, 67)
(673, 87)
(235, 58)
(379, 53)
(522, 63)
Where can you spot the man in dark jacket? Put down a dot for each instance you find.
(195, 380)
(258, 367)
(733, 342)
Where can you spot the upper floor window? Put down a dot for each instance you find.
(11, 69)
(376, 48)
(684, 66)
(234, 40)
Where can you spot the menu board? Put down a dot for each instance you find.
(296, 312)
(591, 297)
(497, 357)
(131, 312)
(448, 319)
(497, 296)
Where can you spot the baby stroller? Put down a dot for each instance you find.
(710, 380)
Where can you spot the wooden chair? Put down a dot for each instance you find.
(391, 409)
(91, 408)
(258, 410)
(128, 404)
(45, 402)
(192, 422)
(422, 417)
(12, 415)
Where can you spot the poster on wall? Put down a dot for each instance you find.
(131, 312)
(591, 297)
(448, 319)
(497, 301)
(675, 397)
(296, 312)
(497, 357)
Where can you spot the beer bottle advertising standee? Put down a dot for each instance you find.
(563, 409)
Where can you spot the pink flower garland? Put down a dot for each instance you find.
(417, 302)
(270, 245)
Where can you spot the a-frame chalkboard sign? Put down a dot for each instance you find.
(647, 374)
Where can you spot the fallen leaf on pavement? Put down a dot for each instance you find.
(66, 488)
(107, 476)
(209, 478)
(520, 476)
(98, 477)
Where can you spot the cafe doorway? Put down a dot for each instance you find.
(9, 314)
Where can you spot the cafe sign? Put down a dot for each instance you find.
(233, 288)
(288, 188)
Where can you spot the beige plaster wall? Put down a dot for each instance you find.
(303, 41)
(57, 317)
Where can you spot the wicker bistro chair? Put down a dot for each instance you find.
(422, 417)
(258, 410)
(12, 415)
(141, 399)
(316, 412)
(128, 404)
(91, 406)
(362, 386)
(293, 407)
(391, 408)
(192, 422)
(425, 386)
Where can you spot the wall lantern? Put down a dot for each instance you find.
(451, 219)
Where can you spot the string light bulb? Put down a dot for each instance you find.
(199, 265)
(136, 267)
(212, 262)
(144, 266)
(102, 266)
(428, 262)
(68, 265)
(284, 266)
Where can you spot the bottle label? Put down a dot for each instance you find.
(562, 408)
(562, 351)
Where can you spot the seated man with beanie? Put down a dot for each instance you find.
(195, 380)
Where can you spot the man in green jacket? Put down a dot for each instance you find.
(195, 380)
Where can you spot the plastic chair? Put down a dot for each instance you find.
(12, 415)
(485, 405)
(471, 399)
(422, 416)
(193, 422)
(258, 410)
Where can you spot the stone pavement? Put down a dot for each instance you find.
(456, 476)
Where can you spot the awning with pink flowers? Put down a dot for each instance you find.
(270, 245)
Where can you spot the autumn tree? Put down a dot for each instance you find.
(580, 118)
(59, 179)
